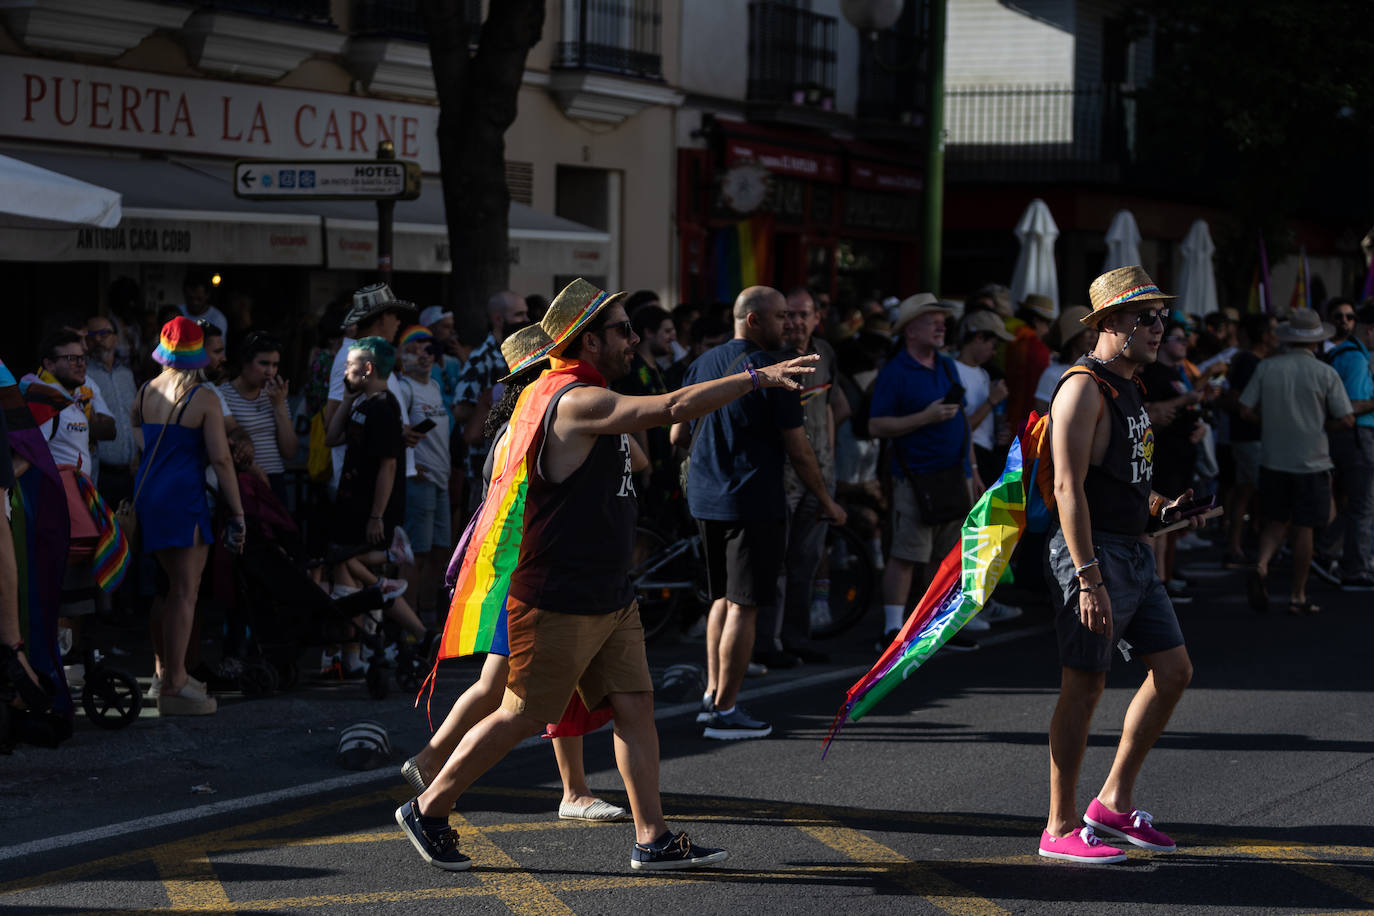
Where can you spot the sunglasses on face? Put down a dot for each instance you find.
(1150, 316)
(1343, 317)
(624, 327)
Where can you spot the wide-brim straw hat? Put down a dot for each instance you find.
(372, 300)
(1121, 289)
(181, 345)
(1036, 304)
(572, 310)
(1304, 326)
(526, 348)
(1069, 325)
(987, 323)
(914, 307)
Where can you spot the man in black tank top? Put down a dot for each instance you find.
(1102, 446)
(573, 621)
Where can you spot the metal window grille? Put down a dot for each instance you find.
(791, 53)
(402, 18)
(520, 181)
(614, 36)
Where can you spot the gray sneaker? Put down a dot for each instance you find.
(410, 771)
(708, 706)
(735, 725)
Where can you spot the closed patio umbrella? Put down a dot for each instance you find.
(1035, 269)
(1197, 282)
(1123, 242)
(36, 198)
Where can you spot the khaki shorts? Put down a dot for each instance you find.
(913, 540)
(553, 654)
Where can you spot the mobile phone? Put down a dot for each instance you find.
(423, 426)
(1187, 510)
(955, 395)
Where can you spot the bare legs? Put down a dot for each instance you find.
(1300, 537)
(729, 645)
(1150, 709)
(636, 755)
(183, 566)
(477, 703)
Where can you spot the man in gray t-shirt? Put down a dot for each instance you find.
(427, 464)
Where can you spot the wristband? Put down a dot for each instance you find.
(1090, 588)
(1079, 570)
(753, 376)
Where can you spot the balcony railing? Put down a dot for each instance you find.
(791, 55)
(314, 11)
(613, 36)
(402, 18)
(1028, 132)
(892, 79)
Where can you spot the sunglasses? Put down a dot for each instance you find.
(624, 327)
(1150, 316)
(1343, 317)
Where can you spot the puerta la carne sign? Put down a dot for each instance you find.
(76, 103)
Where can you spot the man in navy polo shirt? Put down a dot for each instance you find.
(735, 492)
(929, 436)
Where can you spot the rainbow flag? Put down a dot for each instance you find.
(1302, 284)
(1261, 300)
(111, 560)
(962, 585)
(743, 256)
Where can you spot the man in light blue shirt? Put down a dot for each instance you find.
(1352, 452)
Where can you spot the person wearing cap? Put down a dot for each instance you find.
(736, 494)
(506, 314)
(1027, 357)
(979, 335)
(427, 521)
(572, 620)
(448, 362)
(1348, 539)
(1295, 398)
(182, 430)
(931, 438)
(195, 305)
(1071, 340)
(1102, 450)
(376, 312)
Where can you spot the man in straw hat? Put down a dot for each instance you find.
(1102, 446)
(1295, 397)
(571, 615)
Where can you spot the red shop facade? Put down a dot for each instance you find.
(785, 208)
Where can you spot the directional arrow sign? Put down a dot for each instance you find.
(327, 179)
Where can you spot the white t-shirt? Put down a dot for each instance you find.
(211, 314)
(977, 383)
(425, 401)
(70, 440)
(1044, 389)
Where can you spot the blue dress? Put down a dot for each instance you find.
(172, 504)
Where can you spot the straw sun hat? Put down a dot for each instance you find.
(525, 348)
(1120, 289)
(572, 310)
(914, 307)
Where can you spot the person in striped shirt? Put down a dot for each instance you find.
(257, 399)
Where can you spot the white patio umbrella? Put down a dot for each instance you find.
(36, 198)
(1123, 242)
(1197, 282)
(1035, 270)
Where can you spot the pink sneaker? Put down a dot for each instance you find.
(1080, 846)
(1136, 828)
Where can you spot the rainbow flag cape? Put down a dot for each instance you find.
(962, 585)
(111, 560)
(742, 256)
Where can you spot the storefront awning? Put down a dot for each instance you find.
(183, 210)
(32, 197)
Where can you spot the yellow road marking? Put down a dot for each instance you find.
(190, 879)
(517, 889)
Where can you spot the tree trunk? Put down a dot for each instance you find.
(478, 95)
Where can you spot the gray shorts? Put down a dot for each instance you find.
(1142, 613)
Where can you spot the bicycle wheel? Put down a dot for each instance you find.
(657, 603)
(851, 582)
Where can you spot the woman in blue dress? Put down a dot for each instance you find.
(183, 431)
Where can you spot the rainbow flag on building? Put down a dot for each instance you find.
(742, 256)
(962, 585)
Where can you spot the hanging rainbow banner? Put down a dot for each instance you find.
(742, 256)
(962, 585)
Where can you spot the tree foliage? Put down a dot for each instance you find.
(477, 93)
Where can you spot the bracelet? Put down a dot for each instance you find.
(753, 376)
(1090, 588)
(1078, 570)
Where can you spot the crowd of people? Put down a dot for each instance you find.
(763, 421)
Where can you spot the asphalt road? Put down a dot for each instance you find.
(932, 804)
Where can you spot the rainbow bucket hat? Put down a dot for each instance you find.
(416, 333)
(182, 345)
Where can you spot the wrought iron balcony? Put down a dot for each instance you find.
(1018, 133)
(791, 55)
(892, 79)
(612, 36)
(402, 18)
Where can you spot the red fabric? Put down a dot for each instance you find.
(262, 508)
(1027, 360)
(578, 720)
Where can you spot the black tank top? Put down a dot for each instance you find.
(1118, 487)
(578, 542)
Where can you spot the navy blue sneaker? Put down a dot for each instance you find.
(672, 851)
(735, 725)
(432, 837)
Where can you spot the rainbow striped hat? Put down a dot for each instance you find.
(182, 345)
(1123, 288)
(572, 310)
(525, 348)
(416, 333)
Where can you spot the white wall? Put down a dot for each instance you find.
(988, 43)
